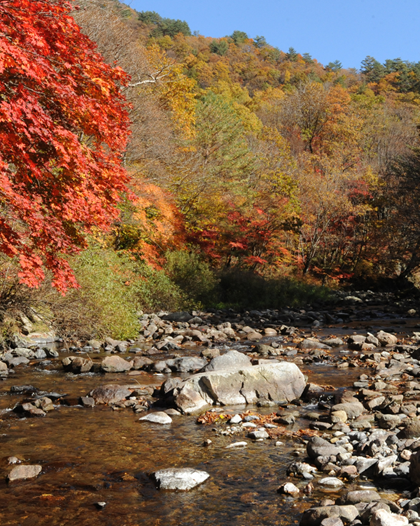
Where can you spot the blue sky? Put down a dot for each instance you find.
(345, 30)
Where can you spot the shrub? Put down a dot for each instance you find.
(193, 276)
(242, 289)
(104, 305)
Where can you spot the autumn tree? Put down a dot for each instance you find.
(63, 130)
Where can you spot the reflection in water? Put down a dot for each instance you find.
(92, 455)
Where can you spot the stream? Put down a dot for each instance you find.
(91, 455)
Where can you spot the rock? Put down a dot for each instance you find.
(77, 364)
(338, 416)
(178, 316)
(19, 360)
(318, 447)
(141, 362)
(288, 489)
(87, 401)
(115, 364)
(179, 478)
(278, 382)
(100, 505)
(4, 371)
(331, 482)
(332, 521)
(312, 343)
(236, 419)
(415, 467)
(385, 338)
(210, 353)
(411, 430)
(354, 497)
(352, 409)
(254, 336)
(157, 418)
(386, 518)
(30, 410)
(236, 444)
(258, 434)
(315, 516)
(110, 394)
(23, 472)
(334, 342)
(186, 364)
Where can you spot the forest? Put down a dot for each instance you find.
(144, 167)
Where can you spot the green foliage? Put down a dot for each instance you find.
(292, 54)
(219, 47)
(260, 42)
(334, 66)
(104, 305)
(165, 26)
(242, 289)
(239, 37)
(193, 275)
(155, 291)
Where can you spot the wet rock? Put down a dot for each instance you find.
(411, 430)
(115, 364)
(319, 447)
(315, 516)
(29, 409)
(332, 521)
(312, 343)
(77, 364)
(141, 362)
(250, 385)
(258, 434)
(354, 497)
(352, 409)
(386, 518)
(415, 467)
(87, 401)
(334, 342)
(100, 505)
(331, 482)
(186, 364)
(110, 394)
(183, 479)
(19, 360)
(210, 353)
(385, 338)
(24, 472)
(157, 418)
(236, 444)
(288, 489)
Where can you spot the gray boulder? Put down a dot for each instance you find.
(77, 364)
(157, 418)
(278, 382)
(315, 516)
(115, 364)
(312, 343)
(186, 364)
(231, 360)
(318, 447)
(110, 394)
(23, 472)
(182, 479)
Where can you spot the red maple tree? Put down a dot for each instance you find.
(63, 130)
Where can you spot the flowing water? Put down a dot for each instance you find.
(100, 455)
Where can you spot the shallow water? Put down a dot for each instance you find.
(93, 455)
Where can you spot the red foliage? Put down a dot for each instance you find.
(63, 128)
